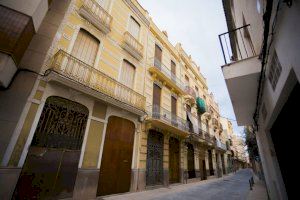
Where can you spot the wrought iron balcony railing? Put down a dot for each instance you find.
(221, 145)
(209, 138)
(190, 91)
(167, 72)
(133, 46)
(97, 15)
(87, 75)
(160, 113)
(215, 122)
(237, 44)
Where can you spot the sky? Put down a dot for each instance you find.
(196, 24)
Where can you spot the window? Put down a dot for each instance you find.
(85, 47)
(187, 80)
(157, 56)
(173, 67)
(197, 91)
(275, 70)
(128, 73)
(134, 28)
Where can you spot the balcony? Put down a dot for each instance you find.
(215, 123)
(209, 139)
(241, 72)
(86, 78)
(132, 46)
(190, 95)
(164, 119)
(162, 72)
(16, 32)
(220, 145)
(96, 15)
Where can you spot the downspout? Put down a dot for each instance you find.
(263, 55)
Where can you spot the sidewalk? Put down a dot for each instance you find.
(156, 193)
(259, 191)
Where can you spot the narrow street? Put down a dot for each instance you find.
(234, 186)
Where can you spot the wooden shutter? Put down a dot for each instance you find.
(158, 53)
(173, 67)
(134, 28)
(187, 80)
(197, 91)
(85, 47)
(128, 73)
(156, 95)
(173, 105)
(188, 108)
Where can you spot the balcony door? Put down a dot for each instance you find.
(187, 81)
(173, 70)
(128, 74)
(156, 101)
(157, 56)
(85, 47)
(134, 28)
(174, 110)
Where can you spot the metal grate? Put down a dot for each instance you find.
(61, 125)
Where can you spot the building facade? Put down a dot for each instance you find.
(262, 74)
(100, 102)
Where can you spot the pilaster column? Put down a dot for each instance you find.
(196, 157)
(166, 159)
(214, 163)
(183, 162)
(206, 162)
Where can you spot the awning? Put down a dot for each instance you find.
(194, 122)
(201, 107)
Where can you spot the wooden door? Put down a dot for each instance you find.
(156, 101)
(128, 74)
(223, 164)
(173, 70)
(191, 161)
(154, 173)
(204, 170)
(174, 153)
(115, 170)
(210, 163)
(85, 47)
(174, 111)
(51, 165)
(134, 28)
(157, 56)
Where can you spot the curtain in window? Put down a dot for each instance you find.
(134, 28)
(128, 72)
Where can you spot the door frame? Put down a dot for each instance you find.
(135, 138)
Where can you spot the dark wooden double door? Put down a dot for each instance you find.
(191, 161)
(115, 171)
(174, 160)
(154, 173)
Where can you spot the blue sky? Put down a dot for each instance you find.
(196, 24)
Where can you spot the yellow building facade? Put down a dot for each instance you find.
(117, 108)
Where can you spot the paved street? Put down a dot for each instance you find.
(234, 186)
